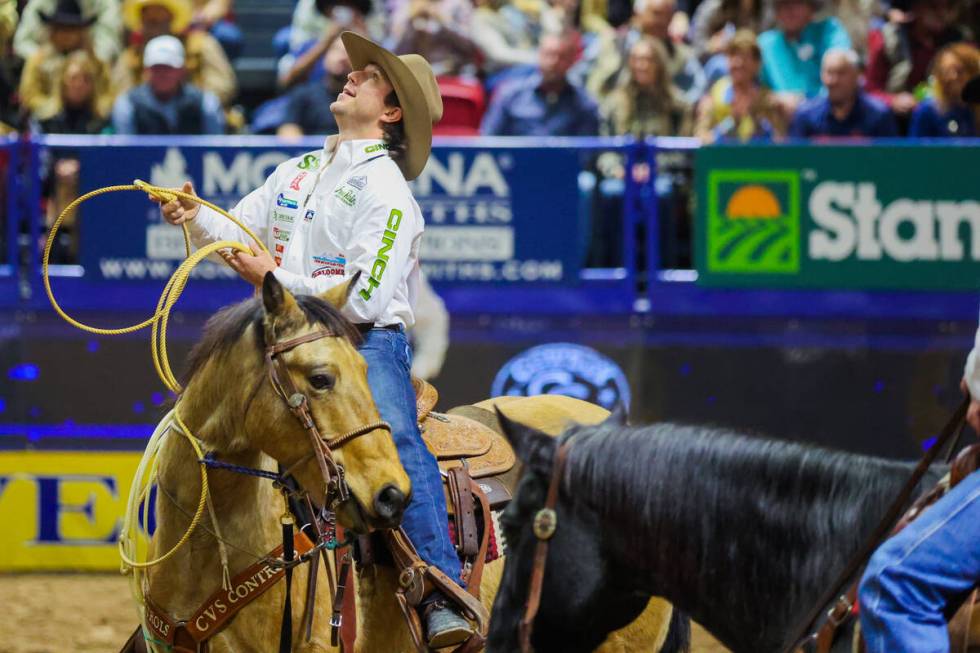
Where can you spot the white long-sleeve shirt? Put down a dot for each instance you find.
(972, 372)
(324, 220)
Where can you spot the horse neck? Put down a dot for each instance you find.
(741, 542)
(246, 508)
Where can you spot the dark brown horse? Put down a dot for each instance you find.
(741, 533)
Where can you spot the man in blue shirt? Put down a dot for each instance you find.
(546, 103)
(845, 110)
(791, 54)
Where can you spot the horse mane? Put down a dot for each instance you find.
(707, 512)
(226, 327)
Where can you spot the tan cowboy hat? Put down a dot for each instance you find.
(417, 91)
(179, 9)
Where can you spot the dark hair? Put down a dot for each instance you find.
(394, 132)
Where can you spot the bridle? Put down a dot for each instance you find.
(337, 490)
(545, 525)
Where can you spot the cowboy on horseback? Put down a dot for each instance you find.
(348, 209)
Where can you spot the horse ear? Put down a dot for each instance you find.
(619, 415)
(339, 294)
(533, 448)
(276, 299)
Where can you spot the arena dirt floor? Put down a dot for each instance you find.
(93, 613)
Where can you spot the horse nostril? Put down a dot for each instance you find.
(389, 503)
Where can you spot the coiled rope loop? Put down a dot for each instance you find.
(175, 286)
(147, 470)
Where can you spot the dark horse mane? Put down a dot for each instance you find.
(226, 327)
(705, 512)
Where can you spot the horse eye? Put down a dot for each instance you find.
(322, 381)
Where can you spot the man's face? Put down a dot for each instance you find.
(655, 16)
(840, 77)
(66, 39)
(164, 81)
(362, 102)
(793, 15)
(156, 22)
(335, 60)
(555, 57)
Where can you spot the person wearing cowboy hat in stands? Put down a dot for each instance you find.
(100, 17)
(922, 575)
(207, 66)
(68, 31)
(348, 210)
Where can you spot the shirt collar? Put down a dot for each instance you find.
(353, 152)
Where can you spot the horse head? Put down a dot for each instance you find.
(578, 603)
(311, 359)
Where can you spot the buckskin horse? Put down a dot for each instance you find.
(242, 423)
(307, 349)
(739, 532)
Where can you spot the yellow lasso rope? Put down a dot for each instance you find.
(139, 492)
(175, 286)
(132, 513)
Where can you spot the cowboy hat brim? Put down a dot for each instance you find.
(179, 9)
(66, 20)
(416, 115)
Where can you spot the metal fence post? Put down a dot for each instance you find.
(651, 216)
(630, 196)
(12, 208)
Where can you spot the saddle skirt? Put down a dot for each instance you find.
(464, 438)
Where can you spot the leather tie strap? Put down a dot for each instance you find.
(545, 525)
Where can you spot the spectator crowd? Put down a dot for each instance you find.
(717, 70)
(720, 70)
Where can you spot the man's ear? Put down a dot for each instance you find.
(339, 294)
(391, 115)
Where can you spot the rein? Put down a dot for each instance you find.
(545, 525)
(802, 635)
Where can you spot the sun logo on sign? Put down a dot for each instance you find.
(753, 221)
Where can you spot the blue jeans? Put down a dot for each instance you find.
(426, 521)
(918, 575)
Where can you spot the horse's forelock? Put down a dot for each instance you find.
(226, 327)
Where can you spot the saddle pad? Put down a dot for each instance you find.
(453, 437)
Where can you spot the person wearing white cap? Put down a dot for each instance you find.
(166, 103)
(347, 210)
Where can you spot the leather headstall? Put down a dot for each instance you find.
(545, 525)
(337, 491)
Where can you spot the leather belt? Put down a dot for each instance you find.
(364, 327)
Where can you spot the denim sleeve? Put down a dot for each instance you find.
(495, 119)
(798, 127)
(122, 115)
(214, 115)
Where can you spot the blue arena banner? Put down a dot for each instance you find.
(495, 214)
